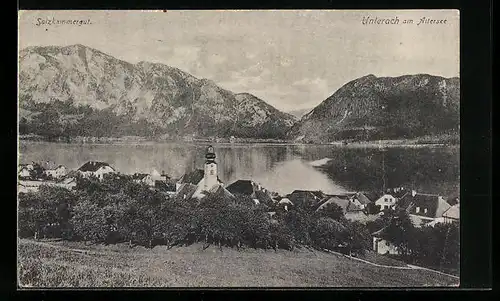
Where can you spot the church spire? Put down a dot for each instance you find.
(210, 175)
(210, 155)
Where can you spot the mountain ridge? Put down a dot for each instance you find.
(173, 101)
(379, 108)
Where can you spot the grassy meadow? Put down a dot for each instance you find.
(73, 264)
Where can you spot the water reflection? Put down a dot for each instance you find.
(281, 168)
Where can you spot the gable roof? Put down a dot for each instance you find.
(193, 177)
(221, 192)
(434, 204)
(372, 195)
(363, 199)
(453, 212)
(93, 166)
(345, 204)
(245, 187)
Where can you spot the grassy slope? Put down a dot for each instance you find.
(60, 264)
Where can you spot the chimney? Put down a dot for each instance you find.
(413, 193)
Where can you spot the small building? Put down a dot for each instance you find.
(95, 168)
(143, 178)
(56, 173)
(382, 246)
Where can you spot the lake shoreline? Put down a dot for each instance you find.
(410, 143)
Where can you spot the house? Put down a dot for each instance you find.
(361, 200)
(382, 246)
(56, 173)
(452, 215)
(386, 201)
(424, 208)
(95, 168)
(143, 178)
(350, 209)
(307, 198)
(251, 189)
(32, 171)
(358, 198)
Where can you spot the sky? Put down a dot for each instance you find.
(292, 59)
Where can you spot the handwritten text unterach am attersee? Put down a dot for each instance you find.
(369, 20)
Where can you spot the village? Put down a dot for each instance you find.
(423, 209)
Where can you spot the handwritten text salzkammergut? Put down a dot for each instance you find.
(54, 21)
(368, 20)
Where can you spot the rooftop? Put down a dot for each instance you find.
(92, 166)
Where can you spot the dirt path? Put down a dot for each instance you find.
(407, 267)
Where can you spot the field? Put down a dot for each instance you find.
(65, 264)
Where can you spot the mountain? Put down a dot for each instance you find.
(372, 108)
(299, 113)
(77, 90)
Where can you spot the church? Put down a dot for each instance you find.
(193, 184)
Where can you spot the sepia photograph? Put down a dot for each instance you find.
(238, 148)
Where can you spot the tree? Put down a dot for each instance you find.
(329, 234)
(89, 221)
(333, 211)
(299, 222)
(400, 231)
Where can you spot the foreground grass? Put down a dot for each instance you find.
(65, 264)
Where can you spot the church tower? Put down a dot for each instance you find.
(210, 177)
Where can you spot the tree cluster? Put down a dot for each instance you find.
(117, 209)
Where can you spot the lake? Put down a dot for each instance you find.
(280, 168)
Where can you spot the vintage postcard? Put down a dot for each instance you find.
(293, 148)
